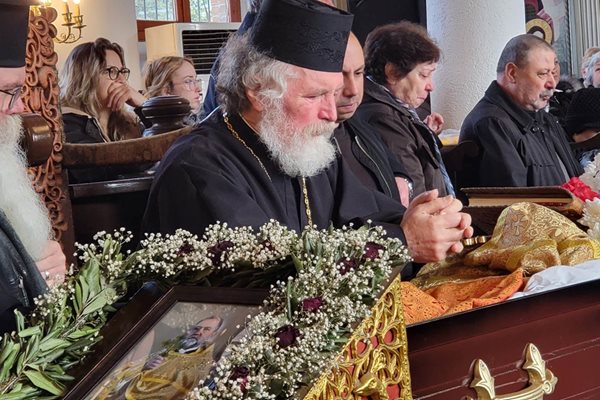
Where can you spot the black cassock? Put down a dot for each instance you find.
(20, 280)
(209, 176)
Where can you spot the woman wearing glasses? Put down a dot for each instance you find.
(94, 91)
(174, 76)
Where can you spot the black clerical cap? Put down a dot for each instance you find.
(305, 33)
(14, 21)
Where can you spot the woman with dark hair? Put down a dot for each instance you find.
(94, 91)
(400, 60)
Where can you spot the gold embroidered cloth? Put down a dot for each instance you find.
(527, 239)
(533, 237)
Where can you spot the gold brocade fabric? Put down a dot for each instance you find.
(527, 239)
(533, 237)
(173, 379)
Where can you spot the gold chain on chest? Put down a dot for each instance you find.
(237, 136)
(304, 187)
(306, 202)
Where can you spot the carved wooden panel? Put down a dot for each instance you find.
(41, 96)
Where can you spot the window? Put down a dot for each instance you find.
(157, 12)
(154, 10)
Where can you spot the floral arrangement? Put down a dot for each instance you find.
(591, 208)
(591, 218)
(331, 279)
(580, 189)
(591, 174)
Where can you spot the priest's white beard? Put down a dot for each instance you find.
(299, 152)
(23, 207)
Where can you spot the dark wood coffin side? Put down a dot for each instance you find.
(564, 324)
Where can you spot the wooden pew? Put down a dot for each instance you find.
(109, 205)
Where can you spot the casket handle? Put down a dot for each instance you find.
(541, 380)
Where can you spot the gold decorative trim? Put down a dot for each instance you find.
(374, 362)
(541, 380)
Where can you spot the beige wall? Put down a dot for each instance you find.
(112, 19)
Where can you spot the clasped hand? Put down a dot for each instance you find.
(434, 227)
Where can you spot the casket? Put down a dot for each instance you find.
(563, 324)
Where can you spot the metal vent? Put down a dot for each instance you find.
(203, 46)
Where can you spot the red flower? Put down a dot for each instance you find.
(186, 248)
(241, 373)
(312, 304)
(218, 252)
(287, 335)
(347, 265)
(372, 251)
(580, 189)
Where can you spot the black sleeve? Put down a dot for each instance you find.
(8, 303)
(501, 163)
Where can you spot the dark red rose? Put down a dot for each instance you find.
(218, 252)
(312, 304)
(372, 251)
(242, 374)
(347, 265)
(267, 245)
(580, 189)
(287, 336)
(186, 248)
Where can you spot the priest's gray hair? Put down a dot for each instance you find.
(244, 68)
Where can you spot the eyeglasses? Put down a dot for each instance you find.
(113, 73)
(14, 96)
(191, 84)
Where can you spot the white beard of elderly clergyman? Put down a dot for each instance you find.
(18, 200)
(266, 152)
(29, 259)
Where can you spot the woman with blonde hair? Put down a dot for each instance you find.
(94, 91)
(173, 76)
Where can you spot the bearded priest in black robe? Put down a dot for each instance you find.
(267, 152)
(29, 259)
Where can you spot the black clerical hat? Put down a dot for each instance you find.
(305, 33)
(14, 20)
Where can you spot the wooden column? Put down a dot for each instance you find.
(41, 96)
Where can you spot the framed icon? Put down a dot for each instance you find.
(163, 344)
